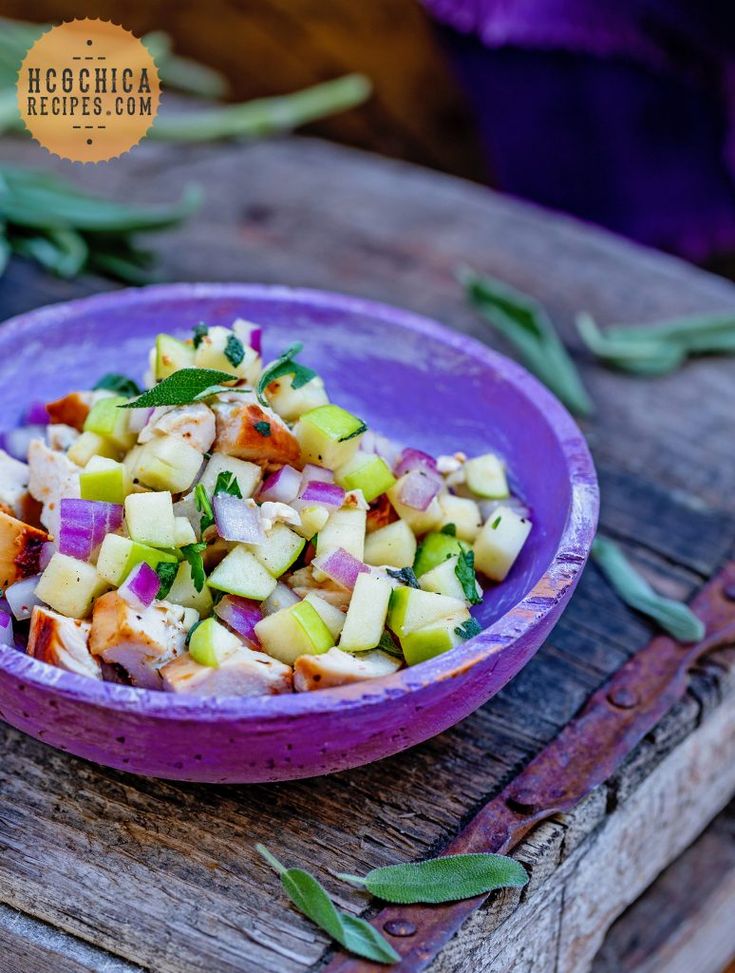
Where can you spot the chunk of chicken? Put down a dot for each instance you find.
(13, 484)
(243, 673)
(193, 423)
(249, 431)
(72, 409)
(20, 549)
(53, 478)
(139, 641)
(303, 582)
(338, 668)
(60, 437)
(62, 642)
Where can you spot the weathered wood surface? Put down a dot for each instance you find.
(164, 875)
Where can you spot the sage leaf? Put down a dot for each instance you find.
(445, 879)
(465, 572)
(114, 382)
(166, 571)
(181, 388)
(286, 364)
(309, 897)
(525, 324)
(468, 629)
(405, 576)
(193, 554)
(674, 617)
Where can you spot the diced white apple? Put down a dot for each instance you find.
(248, 475)
(279, 550)
(443, 580)
(420, 521)
(367, 613)
(183, 592)
(393, 545)
(338, 668)
(244, 672)
(463, 513)
(62, 642)
(346, 529)
(433, 639)
(485, 477)
(240, 573)
(194, 424)
(166, 463)
(212, 353)
(298, 630)
(70, 586)
(52, 478)
(329, 436)
(149, 518)
(183, 532)
(500, 542)
(91, 444)
(210, 643)
(333, 617)
(118, 556)
(412, 608)
(291, 403)
(313, 519)
(13, 483)
(281, 597)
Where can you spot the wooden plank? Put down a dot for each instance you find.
(143, 856)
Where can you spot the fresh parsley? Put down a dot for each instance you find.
(465, 571)
(203, 505)
(449, 529)
(193, 554)
(469, 629)
(496, 522)
(114, 382)
(389, 644)
(181, 388)
(200, 333)
(264, 428)
(285, 365)
(404, 576)
(227, 483)
(234, 351)
(166, 571)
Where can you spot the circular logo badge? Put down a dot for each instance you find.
(88, 90)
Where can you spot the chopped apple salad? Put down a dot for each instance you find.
(231, 531)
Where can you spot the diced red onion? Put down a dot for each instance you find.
(140, 587)
(327, 494)
(36, 415)
(138, 419)
(341, 567)
(85, 524)
(47, 552)
(241, 614)
(312, 472)
(414, 459)
(237, 520)
(373, 442)
(16, 441)
(6, 630)
(281, 597)
(281, 486)
(417, 490)
(21, 597)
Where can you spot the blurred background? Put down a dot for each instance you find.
(620, 113)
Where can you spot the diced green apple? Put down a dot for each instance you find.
(150, 520)
(279, 550)
(443, 580)
(184, 593)
(171, 355)
(366, 472)
(295, 631)
(119, 555)
(412, 608)
(393, 545)
(212, 643)
(89, 445)
(213, 349)
(247, 474)
(313, 519)
(240, 573)
(345, 529)
(108, 420)
(434, 549)
(166, 463)
(463, 513)
(290, 403)
(183, 532)
(433, 639)
(104, 479)
(329, 436)
(70, 586)
(420, 521)
(367, 613)
(333, 617)
(500, 542)
(485, 477)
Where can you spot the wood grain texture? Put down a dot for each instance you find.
(164, 875)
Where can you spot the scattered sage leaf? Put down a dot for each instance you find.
(405, 576)
(166, 571)
(180, 388)
(200, 333)
(468, 629)
(285, 365)
(115, 382)
(465, 571)
(234, 351)
(193, 554)
(227, 483)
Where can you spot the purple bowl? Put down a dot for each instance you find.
(407, 376)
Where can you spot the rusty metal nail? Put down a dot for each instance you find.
(399, 927)
(623, 697)
(729, 591)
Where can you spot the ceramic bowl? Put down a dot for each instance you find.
(409, 377)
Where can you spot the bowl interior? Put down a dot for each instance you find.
(410, 380)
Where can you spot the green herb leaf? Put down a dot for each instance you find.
(526, 325)
(166, 571)
(200, 333)
(445, 879)
(285, 365)
(310, 898)
(193, 554)
(406, 576)
(465, 571)
(181, 388)
(203, 505)
(449, 529)
(468, 629)
(234, 351)
(496, 523)
(212, 390)
(118, 383)
(227, 483)
(389, 644)
(674, 617)
(264, 428)
(191, 631)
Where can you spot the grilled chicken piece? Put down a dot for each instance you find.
(139, 641)
(53, 478)
(380, 514)
(61, 437)
(338, 668)
(243, 673)
(20, 549)
(72, 409)
(13, 484)
(303, 582)
(62, 642)
(193, 423)
(249, 431)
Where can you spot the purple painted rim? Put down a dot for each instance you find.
(568, 562)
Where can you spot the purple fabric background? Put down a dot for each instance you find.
(620, 113)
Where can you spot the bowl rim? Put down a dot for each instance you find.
(559, 575)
